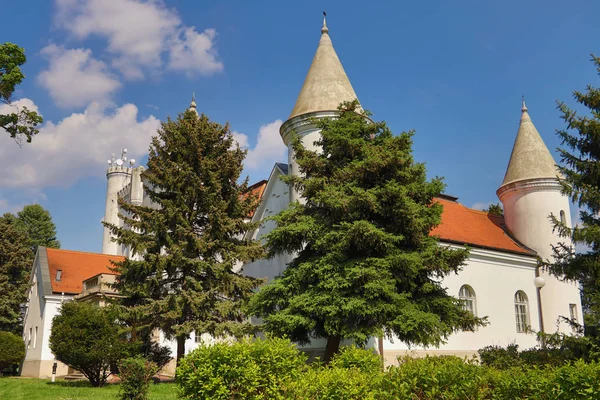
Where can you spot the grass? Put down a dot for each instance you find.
(40, 389)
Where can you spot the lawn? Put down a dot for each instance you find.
(39, 389)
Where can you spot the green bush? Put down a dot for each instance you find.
(12, 350)
(500, 357)
(135, 374)
(364, 360)
(333, 383)
(248, 369)
(87, 338)
(445, 377)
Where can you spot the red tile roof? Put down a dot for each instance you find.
(463, 225)
(257, 189)
(75, 267)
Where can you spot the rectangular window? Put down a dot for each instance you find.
(197, 337)
(521, 317)
(35, 337)
(573, 315)
(29, 339)
(469, 305)
(58, 275)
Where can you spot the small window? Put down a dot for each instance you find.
(29, 339)
(35, 337)
(197, 337)
(58, 275)
(521, 311)
(563, 217)
(467, 295)
(573, 314)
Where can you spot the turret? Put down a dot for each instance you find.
(326, 86)
(530, 193)
(118, 176)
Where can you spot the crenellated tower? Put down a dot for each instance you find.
(326, 86)
(530, 193)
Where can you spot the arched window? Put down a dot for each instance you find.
(467, 295)
(521, 311)
(563, 217)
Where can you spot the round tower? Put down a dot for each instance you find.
(326, 86)
(530, 193)
(118, 176)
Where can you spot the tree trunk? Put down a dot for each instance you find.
(180, 348)
(332, 347)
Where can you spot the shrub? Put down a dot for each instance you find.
(154, 352)
(135, 374)
(87, 338)
(500, 357)
(364, 360)
(334, 383)
(248, 369)
(445, 377)
(12, 350)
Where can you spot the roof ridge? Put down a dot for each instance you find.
(83, 252)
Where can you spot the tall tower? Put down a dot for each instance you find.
(325, 87)
(118, 176)
(531, 192)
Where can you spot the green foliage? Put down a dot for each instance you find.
(16, 259)
(495, 209)
(365, 360)
(135, 374)
(248, 369)
(334, 383)
(581, 157)
(366, 264)
(500, 357)
(21, 122)
(88, 338)
(190, 240)
(12, 350)
(39, 226)
(156, 353)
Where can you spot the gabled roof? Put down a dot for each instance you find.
(75, 267)
(463, 225)
(257, 189)
(326, 85)
(530, 158)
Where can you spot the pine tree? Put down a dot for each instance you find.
(366, 264)
(40, 228)
(495, 209)
(190, 240)
(16, 259)
(581, 158)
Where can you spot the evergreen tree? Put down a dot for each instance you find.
(191, 240)
(16, 259)
(495, 209)
(581, 158)
(39, 226)
(366, 264)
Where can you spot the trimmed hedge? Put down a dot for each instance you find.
(12, 350)
(274, 369)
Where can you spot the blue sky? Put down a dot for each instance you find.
(103, 73)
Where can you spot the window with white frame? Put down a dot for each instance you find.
(197, 337)
(521, 311)
(573, 314)
(35, 337)
(467, 295)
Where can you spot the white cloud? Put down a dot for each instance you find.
(74, 78)
(481, 205)
(269, 146)
(140, 34)
(76, 147)
(17, 105)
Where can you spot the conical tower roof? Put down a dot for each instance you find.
(530, 157)
(326, 84)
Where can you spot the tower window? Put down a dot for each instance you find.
(521, 311)
(58, 275)
(573, 315)
(563, 217)
(467, 295)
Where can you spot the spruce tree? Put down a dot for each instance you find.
(366, 264)
(16, 259)
(187, 245)
(40, 228)
(581, 182)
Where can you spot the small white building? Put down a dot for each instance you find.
(498, 279)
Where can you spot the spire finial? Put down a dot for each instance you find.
(324, 29)
(523, 106)
(193, 103)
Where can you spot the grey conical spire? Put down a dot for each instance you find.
(326, 84)
(530, 157)
(193, 103)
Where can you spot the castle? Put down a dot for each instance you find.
(500, 280)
